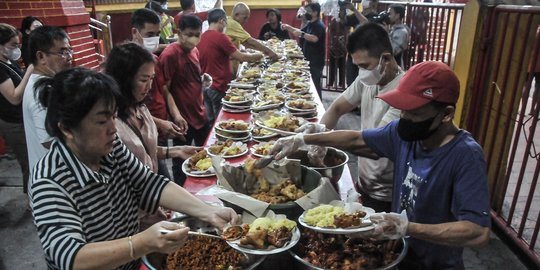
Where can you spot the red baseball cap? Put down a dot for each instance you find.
(424, 82)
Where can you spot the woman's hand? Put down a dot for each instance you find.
(181, 123)
(164, 243)
(183, 152)
(220, 216)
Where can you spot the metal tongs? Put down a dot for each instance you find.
(263, 162)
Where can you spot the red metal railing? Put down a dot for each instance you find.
(503, 116)
(434, 32)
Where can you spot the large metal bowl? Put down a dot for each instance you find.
(156, 261)
(333, 171)
(311, 179)
(401, 249)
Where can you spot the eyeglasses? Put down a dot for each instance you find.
(63, 53)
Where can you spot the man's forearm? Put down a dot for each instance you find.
(458, 233)
(254, 44)
(347, 140)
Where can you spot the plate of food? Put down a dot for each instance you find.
(264, 236)
(236, 99)
(338, 218)
(240, 91)
(268, 76)
(259, 133)
(275, 97)
(262, 149)
(237, 137)
(281, 123)
(292, 96)
(198, 165)
(233, 126)
(235, 110)
(301, 105)
(227, 149)
(266, 105)
(253, 72)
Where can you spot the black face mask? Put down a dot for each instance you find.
(410, 131)
(307, 16)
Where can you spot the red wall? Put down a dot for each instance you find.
(121, 25)
(70, 15)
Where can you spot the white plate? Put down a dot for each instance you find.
(254, 148)
(243, 150)
(264, 137)
(294, 240)
(239, 139)
(242, 85)
(232, 110)
(365, 220)
(237, 103)
(267, 107)
(259, 122)
(237, 107)
(185, 169)
(296, 110)
(250, 127)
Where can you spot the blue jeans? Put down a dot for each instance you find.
(212, 103)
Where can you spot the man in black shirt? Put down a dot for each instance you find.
(273, 27)
(313, 37)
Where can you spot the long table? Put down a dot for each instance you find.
(195, 184)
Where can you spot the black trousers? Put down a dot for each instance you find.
(193, 136)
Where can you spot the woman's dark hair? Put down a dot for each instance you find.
(71, 94)
(275, 11)
(315, 7)
(190, 22)
(27, 23)
(7, 32)
(370, 37)
(122, 64)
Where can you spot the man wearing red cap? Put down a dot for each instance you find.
(440, 181)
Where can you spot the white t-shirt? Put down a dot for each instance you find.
(376, 176)
(34, 123)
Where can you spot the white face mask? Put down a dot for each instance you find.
(12, 54)
(164, 6)
(370, 77)
(151, 43)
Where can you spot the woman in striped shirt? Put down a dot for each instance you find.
(85, 193)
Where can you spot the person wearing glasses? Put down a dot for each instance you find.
(50, 53)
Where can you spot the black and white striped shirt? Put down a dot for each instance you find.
(73, 205)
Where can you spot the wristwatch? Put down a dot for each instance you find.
(302, 34)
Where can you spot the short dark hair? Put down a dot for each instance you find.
(155, 6)
(142, 16)
(185, 4)
(275, 11)
(216, 14)
(122, 64)
(7, 32)
(315, 7)
(370, 37)
(190, 21)
(399, 9)
(71, 94)
(42, 39)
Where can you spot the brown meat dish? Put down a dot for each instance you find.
(338, 252)
(203, 252)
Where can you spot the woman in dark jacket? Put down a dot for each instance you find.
(273, 27)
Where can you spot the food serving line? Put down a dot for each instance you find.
(286, 99)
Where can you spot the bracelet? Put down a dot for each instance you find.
(302, 35)
(167, 152)
(131, 251)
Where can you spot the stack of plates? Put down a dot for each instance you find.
(302, 108)
(223, 133)
(237, 106)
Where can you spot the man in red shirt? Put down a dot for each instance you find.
(183, 86)
(145, 32)
(216, 50)
(188, 8)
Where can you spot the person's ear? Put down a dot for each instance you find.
(448, 113)
(68, 135)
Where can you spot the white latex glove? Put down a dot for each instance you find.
(309, 128)
(288, 145)
(316, 155)
(390, 225)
